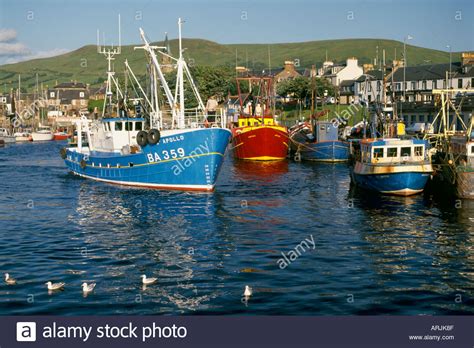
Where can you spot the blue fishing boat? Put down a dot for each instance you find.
(318, 143)
(391, 166)
(133, 150)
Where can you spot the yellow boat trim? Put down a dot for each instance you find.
(248, 129)
(151, 163)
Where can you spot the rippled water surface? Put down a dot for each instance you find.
(372, 254)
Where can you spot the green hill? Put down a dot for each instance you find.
(85, 65)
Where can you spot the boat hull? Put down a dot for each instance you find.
(465, 184)
(8, 139)
(394, 180)
(42, 136)
(327, 151)
(60, 136)
(21, 138)
(264, 143)
(189, 160)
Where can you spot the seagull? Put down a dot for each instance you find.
(9, 280)
(247, 291)
(86, 288)
(55, 286)
(148, 281)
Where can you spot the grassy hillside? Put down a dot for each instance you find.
(87, 66)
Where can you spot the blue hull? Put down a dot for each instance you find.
(404, 184)
(189, 160)
(327, 151)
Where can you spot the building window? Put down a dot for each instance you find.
(413, 85)
(423, 84)
(51, 94)
(378, 86)
(472, 82)
(435, 84)
(459, 83)
(81, 94)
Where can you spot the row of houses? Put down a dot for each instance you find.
(68, 98)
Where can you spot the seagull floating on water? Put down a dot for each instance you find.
(9, 280)
(55, 286)
(86, 288)
(247, 291)
(148, 281)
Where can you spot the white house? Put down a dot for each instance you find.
(338, 73)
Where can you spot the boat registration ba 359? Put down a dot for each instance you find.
(165, 155)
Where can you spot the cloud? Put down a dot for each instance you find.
(12, 51)
(7, 35)
(35, 55)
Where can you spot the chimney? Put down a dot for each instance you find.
(367, 67)
(467, 58)
(289, 65)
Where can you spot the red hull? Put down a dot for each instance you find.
(61, 136)
(260, 143)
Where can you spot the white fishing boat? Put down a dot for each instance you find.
(22, 136)
(43, 133)
(6, 136)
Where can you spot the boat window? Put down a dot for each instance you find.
(378, 152)
(128, 126)
(392, 152)
(418, 150)
(322, 127)
(472, 149)
(138, 126)
(118, 126)
(406, 152)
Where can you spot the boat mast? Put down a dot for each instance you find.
(179, 78)
(171, 100)
(110, 54)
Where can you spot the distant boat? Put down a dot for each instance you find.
(6, 136)
(391, 166)
(61, 136)
(318, 143)
(258, 136)
(22, 136)
(43, 133)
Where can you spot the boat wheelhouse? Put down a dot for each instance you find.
(392, 166)
(318, 142)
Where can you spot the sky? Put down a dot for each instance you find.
(42, 28)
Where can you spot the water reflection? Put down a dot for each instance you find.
(145, 231)
(266, 171)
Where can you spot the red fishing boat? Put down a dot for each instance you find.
(257, 136)
(61, 136)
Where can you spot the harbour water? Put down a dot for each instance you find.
(372, 254)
